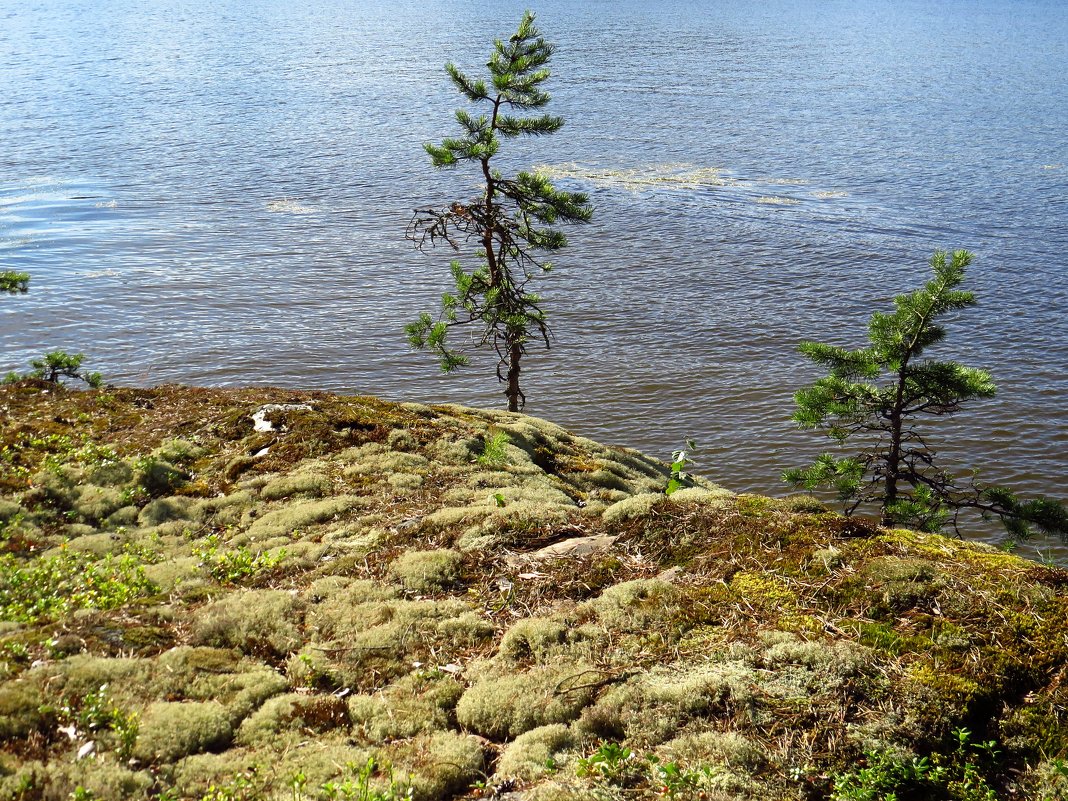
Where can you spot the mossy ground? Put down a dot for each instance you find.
(230, 613)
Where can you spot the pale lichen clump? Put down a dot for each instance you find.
(504, 706)
(254, 621)
(169, 731)
(428, 571)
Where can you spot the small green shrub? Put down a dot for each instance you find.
(48, 587)
(232, 565)
(95, 713)
(494, 449)
(362, 785)
(59, 364)
(680, 460)
(611, 763)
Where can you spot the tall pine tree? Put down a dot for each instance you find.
(510, 220)
(881, 393)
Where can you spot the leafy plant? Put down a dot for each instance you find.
(680, 459)
(676, 782)
(14, 283)
(233, 565)
(958, 774)
(881, 778)
(611, 763)
(359, 786)
(510, 221)
(493, 452)
(880, 394)
(51, 586)
(96, 713)
(240, 788)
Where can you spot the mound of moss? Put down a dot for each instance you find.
(265, 594)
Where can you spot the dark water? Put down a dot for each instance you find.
(216, 193)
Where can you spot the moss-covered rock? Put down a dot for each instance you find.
(464, 596)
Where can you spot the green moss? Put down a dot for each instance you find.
(255, 621)
(763, 590)
(246, 774)
(381, 640)
(703, 688)
(20, 709)
(179, 451)
(503, 707)
(124, 516)
(229, 506)
(8, 510)
(729, 748)
(902, 584)
(170, 575)
(158, 477)
(634, 605)
(427, 571)
(110, 474)
(98, 777)
(899, 637)
(450, 516)
(170, 731)
(215, 674)
(631, 507)
(400, 439)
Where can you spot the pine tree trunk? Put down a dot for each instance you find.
(893, 465)
(513, 393)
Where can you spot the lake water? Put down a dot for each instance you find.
(217, 192)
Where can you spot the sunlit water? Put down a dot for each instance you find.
(216, 193)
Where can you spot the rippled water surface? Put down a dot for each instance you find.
(217, 192)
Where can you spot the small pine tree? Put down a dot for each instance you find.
(881, 393)
(510, 220)
(59, 364)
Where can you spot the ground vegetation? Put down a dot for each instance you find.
(592, 637)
